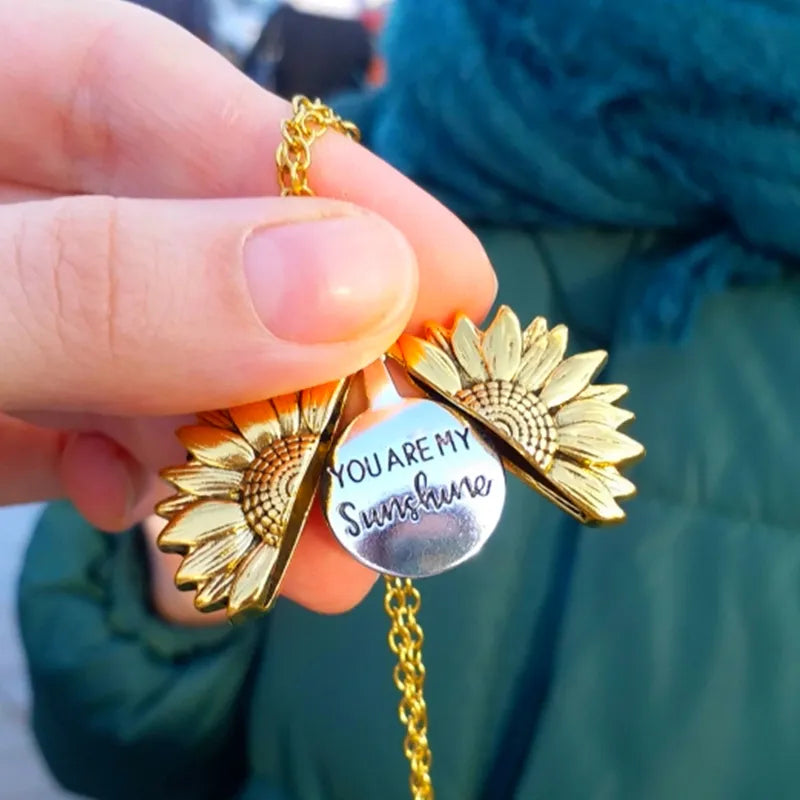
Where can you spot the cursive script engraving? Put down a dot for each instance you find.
(411, 505)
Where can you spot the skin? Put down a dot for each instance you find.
(136, 172)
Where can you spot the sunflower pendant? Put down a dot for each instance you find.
(553, 428)
(244, 495)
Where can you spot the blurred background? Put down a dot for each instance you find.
(313, 47)
(22, 774)
(309, 46)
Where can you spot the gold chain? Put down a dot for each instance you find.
(310, 119)
(402, 602)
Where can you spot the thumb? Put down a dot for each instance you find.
(159, 306)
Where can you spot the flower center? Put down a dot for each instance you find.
(268, 486)
(517, 413)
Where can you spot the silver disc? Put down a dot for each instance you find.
(411, 489)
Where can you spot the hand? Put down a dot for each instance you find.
(119, 312)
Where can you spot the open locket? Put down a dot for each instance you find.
(410, 488)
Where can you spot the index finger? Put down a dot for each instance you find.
(111, 99)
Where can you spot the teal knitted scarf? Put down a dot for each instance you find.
(667, 115)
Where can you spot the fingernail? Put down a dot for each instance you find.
(330, 280)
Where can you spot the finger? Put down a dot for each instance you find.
(18, 193)
(102, 480)
(29, 458)
(150, 440)
(190, 125)
(157, 307)
(111, 488)
(43, 456)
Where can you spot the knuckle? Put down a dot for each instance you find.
(87, 138)
(69, 261)
(85, 237)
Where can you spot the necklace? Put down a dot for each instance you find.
(413, 486)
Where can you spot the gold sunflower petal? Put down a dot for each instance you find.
(543, 357)
(588, 441)
(201, 480)
(571, 377)
(217, 419)
(586, 489)
(618, 485)
(502, 345)
(200, 522)
(171, 506)
(258, 423)
(608, 393)
(219, 554)
(466, 342)
(288, 408)
(216, 447)
(252, 582)
(215, 590)
(592, 411)
(429, 363)
(534, 331)
(438, 334)
(530, 361)
(315, 405)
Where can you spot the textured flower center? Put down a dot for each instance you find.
(269, 485)
(516, 412)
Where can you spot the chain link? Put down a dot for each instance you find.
(310, 119)
(402, 602)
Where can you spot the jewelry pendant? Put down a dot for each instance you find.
(553, 428)
(245, 493)
(411, 489)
